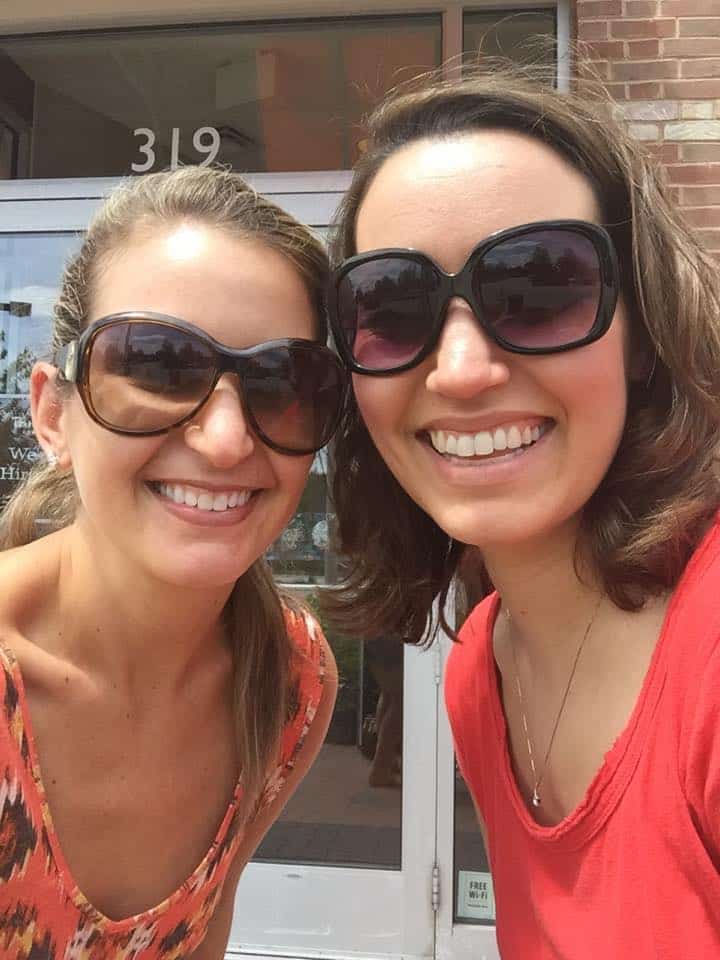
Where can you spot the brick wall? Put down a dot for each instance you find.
(661, 62)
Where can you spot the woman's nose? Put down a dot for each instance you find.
(220, 431)
(466, 361)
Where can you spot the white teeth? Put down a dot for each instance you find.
(466, 445)
(483, 443)
(203, 499)
(438, 440)
(514, 439)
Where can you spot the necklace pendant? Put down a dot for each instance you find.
(535, 798)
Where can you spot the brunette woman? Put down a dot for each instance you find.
(534, 337)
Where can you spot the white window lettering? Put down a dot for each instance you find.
(212, 148)
(174, 148)
(206, 141)
(146, 149)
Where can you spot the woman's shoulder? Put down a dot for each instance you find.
(313, 676)
(312, 659)
(312, 663)
(26, 573)
(695, 604)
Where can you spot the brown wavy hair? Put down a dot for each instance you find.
(253, 615)
(661, 490)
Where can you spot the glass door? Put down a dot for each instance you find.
(348, 869)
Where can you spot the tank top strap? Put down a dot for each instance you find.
(307, 675)
(13, 735)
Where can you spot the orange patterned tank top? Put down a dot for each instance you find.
(43, 914)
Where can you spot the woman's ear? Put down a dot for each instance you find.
(47, 411)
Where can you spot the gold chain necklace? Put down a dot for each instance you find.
(538, 779)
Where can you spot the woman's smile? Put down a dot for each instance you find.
(205, 507)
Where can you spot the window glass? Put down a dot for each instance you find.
(524, 36)
(260, 97)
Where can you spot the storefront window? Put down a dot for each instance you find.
(31, 267)
(279, 97)
(524, 36)
(348, 810)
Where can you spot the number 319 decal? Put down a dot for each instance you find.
(206, 140)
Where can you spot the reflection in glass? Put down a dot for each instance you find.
(348, 810)
(256, 97)
(29, 279)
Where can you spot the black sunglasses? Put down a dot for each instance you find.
(538, 288)
(144, 373)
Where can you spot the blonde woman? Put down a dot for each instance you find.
(534, 336)
(161, 701)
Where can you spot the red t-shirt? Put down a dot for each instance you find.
(634, 871)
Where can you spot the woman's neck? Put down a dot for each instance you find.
(120, 623)
(548, 602)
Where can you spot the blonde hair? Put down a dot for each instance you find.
(254, 613)
(661, 490)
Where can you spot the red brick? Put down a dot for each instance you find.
(700, 152)
(690, 8)
(692, 89)
(700, 68)
(692, 196)
(707, 27)
(643, 49)
(644, 91)
(642, 29)
(618, 91)
(674, 194)
(694, 47)
(694, 173)
(593, 30)
(702, 216)
(599, 8)
(664, 152)
(641, 8)
(606, 50)
(597, 70)
(645, 70)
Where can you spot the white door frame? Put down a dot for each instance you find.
(299, 910)
(455, 941)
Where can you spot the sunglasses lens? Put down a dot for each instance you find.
(540, 290)
(294, 394)
(146, 376)
(384, 311)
